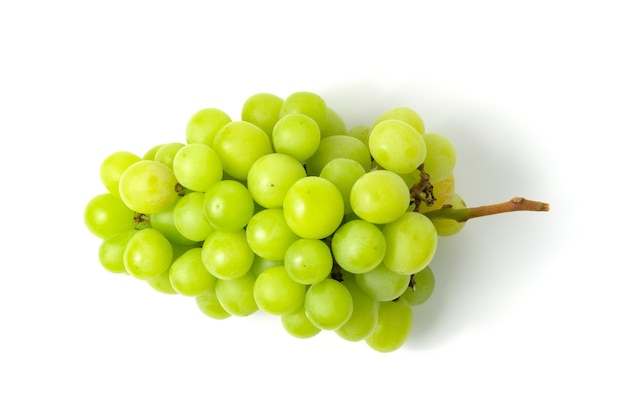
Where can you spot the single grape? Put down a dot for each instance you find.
(106, 215)
(308, 261)
(111, 251)
(113, 167)
(343, 172)
(148, 187)
(275, 293)
(237, 295)
(334, 124)
(188, 275)
(423, 285)
(360, 132)
(364, 315)
(148, 254)
(167, 152)
(404, 114)
(151, 153)
(313, 208)
(203, 126)
(440, 156)
(308, 103)
(271, 176)
(163, 221)
(162, 284)
(393, 327)
(189, 218)
(298, 324)
(338, 146)
(382, 284)
(262, 110)
(379, 197)
(210, 305)
(411, 243)
(226, 254)
(261, 264)
(358, 246)
(328, 304)
(268, 234)
(397, 146)
(448, 227)
(296, 135)
(228, 205)
(197, 167)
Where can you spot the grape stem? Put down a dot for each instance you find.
(464, 214)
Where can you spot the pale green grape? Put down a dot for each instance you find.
(313, 208)
(382, 284)
(189, 218)
(197, 167)
(210, 305)
(397, 146)
(188, 275)
(148, 254)
(393, 327)
(308, 103)
(162, 284)
(411, 243)
(113, 167)
(204, 125)
(343, 172)
(360, 132)
(237, 295)
(338, 146)
(276, 293)
(422, 288)
(151, 153)
(262, 110)
(163, 221)
(271, 176)
(328, 304)
(268, 234)
(448, 227)
(379, 197)
(226, 254)
(404, 114)
(261, 264)
(358, 246)
(334, 124)
(111, 251)
(167, 152)
(308, 261)
(440, 156)
(239, 144)
(228, 205)
(148, 187)
(364, 315)
(296, 135)
(106, 215)
(298, 324)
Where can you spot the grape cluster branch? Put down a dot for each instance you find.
(464, 214)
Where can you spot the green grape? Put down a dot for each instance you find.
(226, 254)
(262, 110)
(338, 146)
(148, 254)
(197, 167)
(397, 146)
(275, 293)
(440, 156)
(296, 135)
(382, 284)
(261, 264)
(237, 295)
(313, 208)
(189, 218)
(328, 304)
(210, 305)
(298, 324)
(334, 124)
(106, 215)
(151, 153)
(239, 144)
(360, 132)
(163, 221)
(358, 246)
(268, 234)
(404, 114)
(379, 197)
(308, 261)
(188, 275)
(393, 327)
(162, 284)
(148, 187)
(113, 167)
(203, 126)
(310, 104)
(111, 251)
(228, 205)
(423, 285)
(271, 176)
(448, 227)
(411, 243)
(364, 315)
(167, 152)
(343, 172)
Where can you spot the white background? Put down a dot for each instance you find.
(528, 316)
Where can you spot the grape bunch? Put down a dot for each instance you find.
(288, 212)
